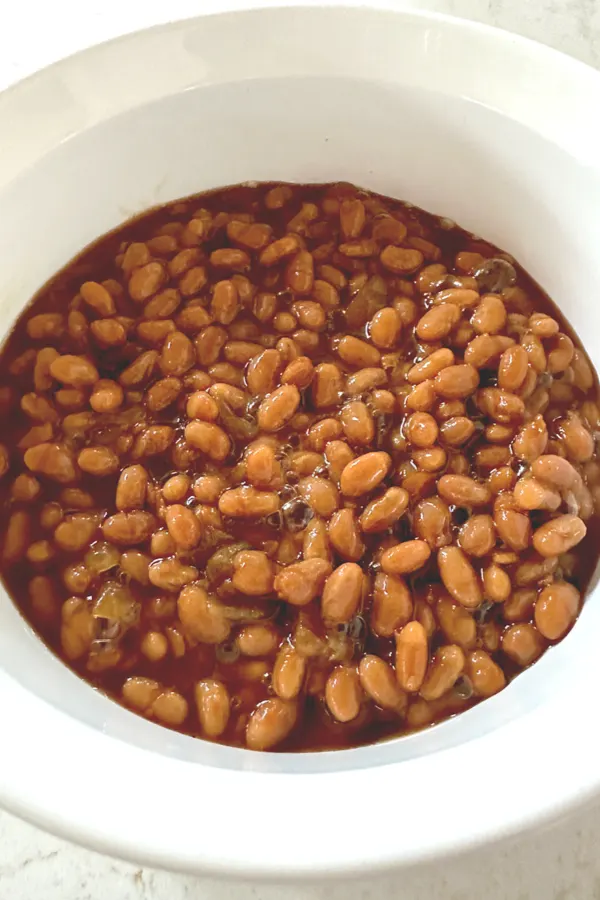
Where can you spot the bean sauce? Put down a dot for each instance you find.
(297, 467)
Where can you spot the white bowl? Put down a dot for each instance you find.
(496, 132)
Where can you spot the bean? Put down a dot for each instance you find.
(489, 316)
(485, 350)
(532, 494)
(500, 405)
(431, 522)
(543, 326)
(320, 494)
(183, 526)
(513, 367)
(404, 558)
(399, 260)
(289, 672)
(262, 467)
(190, 320)
(456, 382)
(432, 459)
(422, 396)
(257, 640)
(248, 503)
(207, 488)
(55, 461)
(77, 628)
(279, 249)
(382, 512)
(98, 461)
(578, 441)
(358, 249)
(208, 344)
(379, 682)
(365, 380)
(431, 366)
(461, 297)
(457, 623)
(522, 643)
(556, 609)
(324, 432)
(201, 615)
(310, 315)
(152, 441)
(485, 675)
(252, 573)
(209, 438)
(129, 528)
(459, 577)
(421, 429)
(446, 665)
(344, 535)
(343, 693)
(357, 423)
(17, 536)
(559, 535)
(316, 542)
(337, 456)
(342, 593)
(437, 322)
(358, 353)
(170, 707)
(178, 354)
(253, 236)
(392, 604)
(457, 431)
(364, 473)
(140, 692)
(411, 656)
(270, 723)
(163, 304)
(231, 259)
(462, 490)
(477, 537)
(555, 471)
(106, 396)
(25, 488)
(299, 372)
(384, 328)
(302, 582)
(352, 218)
(140, 369)
(213, 706)
(46, 326)
(496, 584)
(131, 488)
(519, 606)
(146, 281)
(135, 566)
(74, 370)
(277, 408)
(561, 355)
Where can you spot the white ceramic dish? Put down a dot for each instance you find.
(494, 131)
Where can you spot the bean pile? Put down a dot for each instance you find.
(297, 467)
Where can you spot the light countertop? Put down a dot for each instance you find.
(562, 863)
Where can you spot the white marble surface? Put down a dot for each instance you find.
(562, 863)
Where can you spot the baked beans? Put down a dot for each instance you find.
(297, 467)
